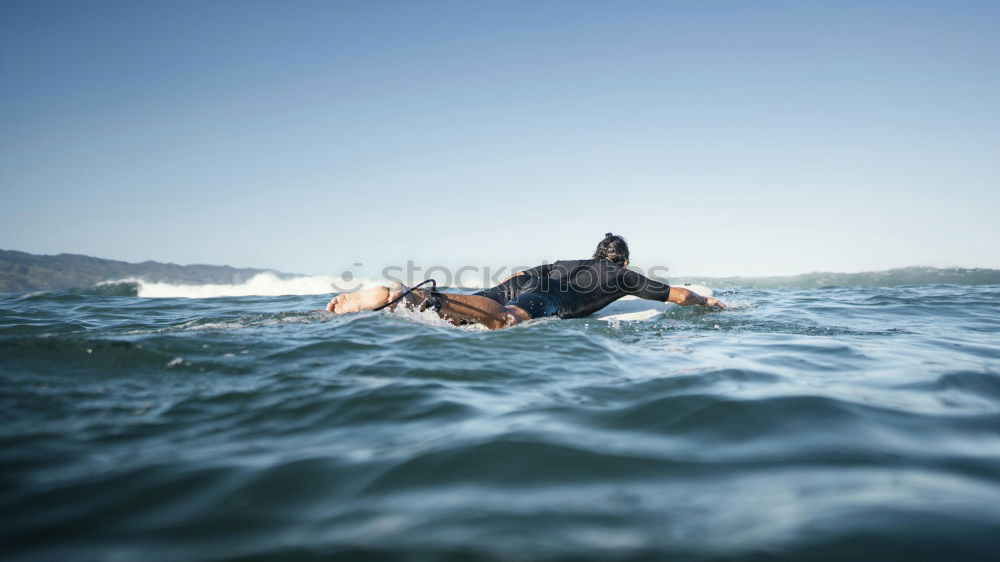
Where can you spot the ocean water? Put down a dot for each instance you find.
(839, 423)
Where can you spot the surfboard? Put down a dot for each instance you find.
(633, 308)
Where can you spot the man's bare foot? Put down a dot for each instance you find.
(368, 299)
(394, 292)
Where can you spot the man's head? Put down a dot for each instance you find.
(612, 248)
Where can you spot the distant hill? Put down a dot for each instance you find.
(917, 275)
(22, 272)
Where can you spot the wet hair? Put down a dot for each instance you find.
(613, 248)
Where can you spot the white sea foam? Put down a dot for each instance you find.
(262, 284)
(432, 319)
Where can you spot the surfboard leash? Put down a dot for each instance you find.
(433, 300)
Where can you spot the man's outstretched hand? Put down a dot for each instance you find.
(687, 297)
(709, 301)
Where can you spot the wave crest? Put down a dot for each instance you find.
(262, 284)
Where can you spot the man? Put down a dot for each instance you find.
(567, 289)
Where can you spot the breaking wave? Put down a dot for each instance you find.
(262, 284)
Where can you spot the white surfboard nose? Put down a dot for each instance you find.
(700, 289)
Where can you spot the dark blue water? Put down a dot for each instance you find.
(833, 424)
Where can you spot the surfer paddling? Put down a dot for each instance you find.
(566, 289)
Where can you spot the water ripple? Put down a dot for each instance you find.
(832, 424)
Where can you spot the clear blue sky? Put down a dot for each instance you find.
(718, 137)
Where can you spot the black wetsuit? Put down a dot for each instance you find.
(575, 288)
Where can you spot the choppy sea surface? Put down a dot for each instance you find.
(800, 424)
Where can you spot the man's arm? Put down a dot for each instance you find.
(685, 297)
(646, 288)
